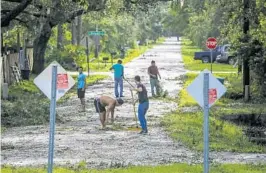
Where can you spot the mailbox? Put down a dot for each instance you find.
(105, 58)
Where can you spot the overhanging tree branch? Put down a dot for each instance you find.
(25, 12)
(18, 1)
(22, 22)
(6, 19)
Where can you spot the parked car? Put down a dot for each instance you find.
(205, 56)
(226, 55)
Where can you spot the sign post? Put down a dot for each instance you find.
(54, 82)
(211, 60)
(97, 47)
(97, 34)
(52, 119)
(211, 44)
(206, 121)
(206, 90)
(88, 54)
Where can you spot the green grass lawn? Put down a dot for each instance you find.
(188, 51)
(174, 168)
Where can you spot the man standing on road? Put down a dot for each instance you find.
(81, 87)
(106, 101)
(154, 73)
(118, 75)
(143, 104)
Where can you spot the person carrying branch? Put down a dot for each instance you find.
(105, 105)
(153, 72)
(81, 87)
(143, 104)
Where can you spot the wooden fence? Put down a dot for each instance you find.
(14, 60)
(8, 61)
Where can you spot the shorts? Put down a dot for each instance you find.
(81, 94)
(99, 108)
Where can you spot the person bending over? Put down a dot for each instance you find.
(105, 105)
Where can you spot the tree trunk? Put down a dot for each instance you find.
(39, 47)
(60, 36)
(74, 32)
(79, 30)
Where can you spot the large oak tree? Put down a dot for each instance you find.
(43, 15)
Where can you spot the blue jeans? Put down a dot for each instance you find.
(119, 81)
(154, 84)
(142, 110)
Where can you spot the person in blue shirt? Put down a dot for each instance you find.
(118, 75)
(81, 83)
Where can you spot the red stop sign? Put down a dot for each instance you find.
(211, 43)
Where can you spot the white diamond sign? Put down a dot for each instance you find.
(216, 89)
(64, 81)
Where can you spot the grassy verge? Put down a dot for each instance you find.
(27, 105)
(186, 124)
(188, 51)
(131, 54)
(175, 168)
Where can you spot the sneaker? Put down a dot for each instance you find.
(145, 132)
(116, 96)
(83, 109)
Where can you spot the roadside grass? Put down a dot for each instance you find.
(131, 54)
(173, 168)
(27, 105)
(186, 124)
(224, 136)
(188, 51)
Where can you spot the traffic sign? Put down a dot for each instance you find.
(64, 81)
(211, 43)
(206, 90)
(96, 33)
(216, 89)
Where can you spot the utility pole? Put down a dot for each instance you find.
(246, 70)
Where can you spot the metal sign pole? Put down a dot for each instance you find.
(206, 121)
(97, 51)
(211, 60)
(88, 53)
(52, 119)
